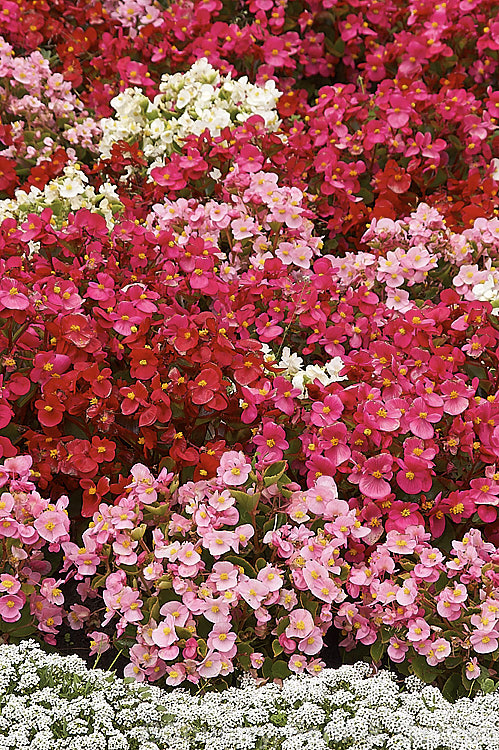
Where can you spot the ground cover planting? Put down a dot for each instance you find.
(249, 332)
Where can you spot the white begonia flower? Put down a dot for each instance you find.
(298, 381)
(488, 291)
(71, 187)
(495, 174)
(333, 368)
(291, 361)
(314, 372)
(268, 354)
(183, 98)
(109, 191)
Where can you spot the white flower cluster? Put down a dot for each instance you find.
(488, 291)
(300, 376)
(189, 103)
(49, 701)
(68, 192)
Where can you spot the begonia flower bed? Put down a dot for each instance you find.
(249, 336)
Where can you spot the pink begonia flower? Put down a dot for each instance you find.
(6, 504)
(256, 659)
(11, 295)
(221, 500)
(176, 674)
(301, 623)
(18, 465)
(456, 396)
(210, 666)
(297, 663)
(9, 584)
(178, 611)
(216, 610)
(78, 616)
(11, 606)
(448, 609)
(124, 549)
(242, 536)
(407, 593)
(326, 412)
(130, 604)
(187, 554)
(224, 575)
(397, 650)
(439, 650)
(472, 669)
(253, 591)
(190, 649)
(386, 592)
(271, 577)
(99, 642)
(400, 544)
(233, 469)
(315, 666)
(221, 638)
(287, 599)
(313, 643)
(398, 299)
(484, 642)
(49, 619)
(9, 527)
(50, 590)
(376, 475)
(421, 418)
(52, 525)
(133, 670)
(419, 630)
(218, 542)
(165, 635)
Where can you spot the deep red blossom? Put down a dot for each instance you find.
(50, 410)
(208, 389)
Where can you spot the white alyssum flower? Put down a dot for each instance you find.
(50, 701)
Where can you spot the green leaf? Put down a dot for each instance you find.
(183, 633)
(487, 685)
(267, 668)
(244, 648)
(421, 668)
(275, 471)
(22, 400)
(377, 651)
(280, 670)
(124, 643)
(276, 647)
(453, 687)
(245, 501)
(282, 625)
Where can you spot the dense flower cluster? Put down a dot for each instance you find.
(188, 104)
(249, 292)
(28, 524)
